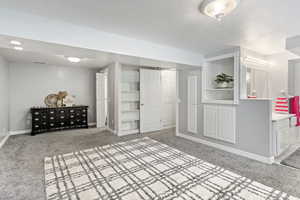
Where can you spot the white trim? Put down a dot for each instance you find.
(168, 127)
(268, 160)
(25, 131)
(92, 124)
(3, 141)
(19, 132)
(228, 55)
(112, 131)
(177, 103)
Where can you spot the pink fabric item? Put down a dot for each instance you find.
(282, 105)
(294, 108)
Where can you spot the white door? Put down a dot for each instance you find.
(101, 99)
(192, 104)
(227, 125)
(168, 98)
(150, 100)
(211, 121)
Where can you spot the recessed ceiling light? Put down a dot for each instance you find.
(15, 42)
(74, 59)
(218, 8)
(18, 48)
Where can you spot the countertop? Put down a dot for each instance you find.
(278, 116)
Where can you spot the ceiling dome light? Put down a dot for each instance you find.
(18, 48)
(74, 59)
(15, 42)
(218, 8)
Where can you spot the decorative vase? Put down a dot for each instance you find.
(59, 103)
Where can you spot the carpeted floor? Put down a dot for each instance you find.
(22, 166)
(293, 160)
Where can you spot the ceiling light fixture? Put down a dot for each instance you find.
(18, 48)
(15, 42)
(74, 59)
(218, 8)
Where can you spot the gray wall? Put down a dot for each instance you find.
(31, 83)
(4, 94)
(253, 121)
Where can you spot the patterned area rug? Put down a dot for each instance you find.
(145, 169)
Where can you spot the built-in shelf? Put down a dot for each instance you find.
(216, 101)
(125, 111)
(228, 64)
(130, 99)
(219, 89)
(129, 120)
(131, 92)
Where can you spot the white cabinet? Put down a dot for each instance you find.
(192, 104)
(283, 135)
(220, 122)
(210, 121)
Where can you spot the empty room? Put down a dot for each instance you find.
(142, 100)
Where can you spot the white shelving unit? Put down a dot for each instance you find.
(228, 64)
(130, 101)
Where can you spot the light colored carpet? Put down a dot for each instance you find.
(293, 160)
(145, 169)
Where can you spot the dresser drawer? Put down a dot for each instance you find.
(61, 111)
(62, 117)
(61, 124)
(53, 119)
(51, 112)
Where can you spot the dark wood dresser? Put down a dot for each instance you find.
(55, 119)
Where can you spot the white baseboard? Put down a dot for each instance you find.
(92, 124)
(19, 132)
(268, 160)
(167, 127)
(110, 130)
(2, 142)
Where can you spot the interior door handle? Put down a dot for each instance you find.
(141, 104)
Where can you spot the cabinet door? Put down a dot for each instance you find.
(192, 104)
(226, 123)
(210, 121)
